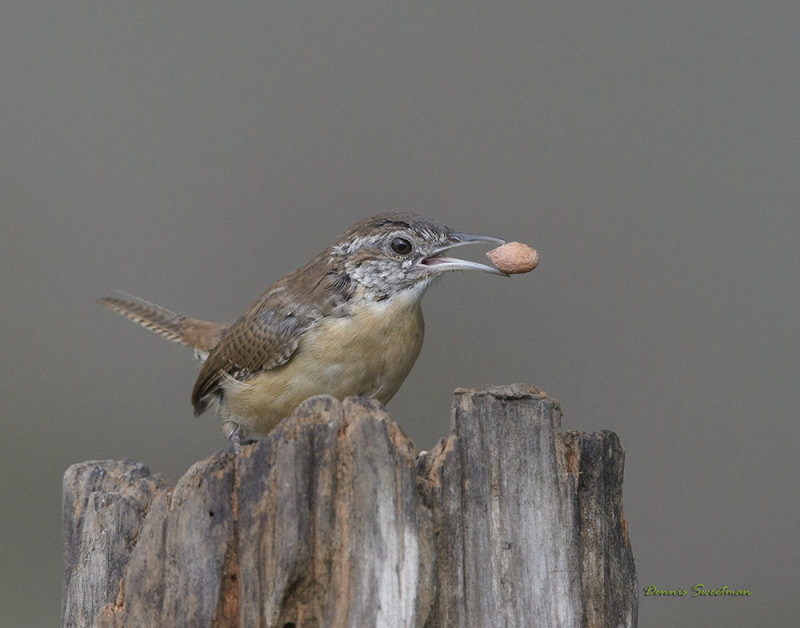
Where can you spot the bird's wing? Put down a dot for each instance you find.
(265, 337)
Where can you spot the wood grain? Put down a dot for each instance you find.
(333, 520)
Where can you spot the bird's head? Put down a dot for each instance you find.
(396, 252)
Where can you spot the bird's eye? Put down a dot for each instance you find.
(401, 246)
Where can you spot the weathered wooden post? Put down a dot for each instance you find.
(332, 520)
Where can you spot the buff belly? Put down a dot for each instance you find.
(369, 353)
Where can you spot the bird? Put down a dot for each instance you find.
(348, 323)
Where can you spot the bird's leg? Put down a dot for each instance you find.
(235, 433)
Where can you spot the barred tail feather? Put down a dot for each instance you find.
(202, 336)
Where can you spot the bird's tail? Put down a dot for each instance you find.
(202, 336)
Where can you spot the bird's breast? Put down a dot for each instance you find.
(368, 353)
(371, 351)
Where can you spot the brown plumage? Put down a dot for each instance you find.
(268, 333)
(347, 323)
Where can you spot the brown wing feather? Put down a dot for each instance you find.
(266, 336)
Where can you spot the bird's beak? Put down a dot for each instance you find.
(437, 262)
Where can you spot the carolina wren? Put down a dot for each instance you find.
(348, 323)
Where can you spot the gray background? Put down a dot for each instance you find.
(193, 152)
